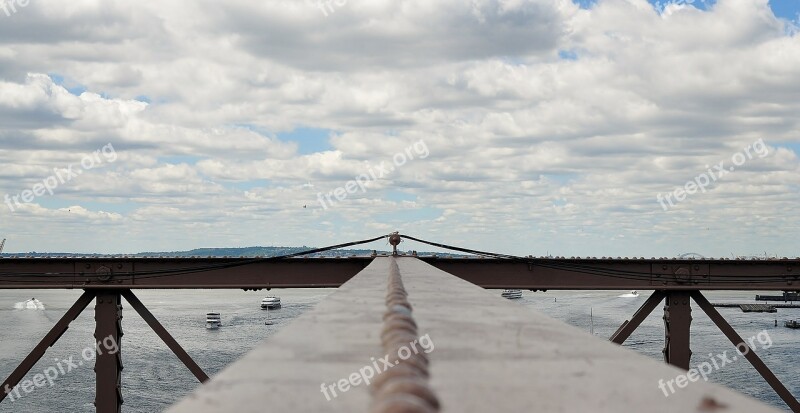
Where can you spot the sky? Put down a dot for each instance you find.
(543, 127)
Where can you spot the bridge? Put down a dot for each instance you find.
(459, 356)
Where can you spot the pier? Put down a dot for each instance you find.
(756, 308)
(498, 356)
(786, 297)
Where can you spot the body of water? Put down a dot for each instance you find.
(153, 378)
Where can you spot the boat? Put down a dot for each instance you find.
(32, 304)
(213, 321)
(632, 294)
(270, 303)
(511, 294)
(792, 324)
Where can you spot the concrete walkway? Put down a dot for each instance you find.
(487, 354)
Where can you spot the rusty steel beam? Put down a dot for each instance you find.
(165, 336)
(108, 365)
(535, 274)
(749, 354)
(677, 329)
(625, 274)
(624, 331)
(168, 273)
(48, 341)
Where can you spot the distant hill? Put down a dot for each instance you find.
(229, 252)
(226, 252)
(253, 252)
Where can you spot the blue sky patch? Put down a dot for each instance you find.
(585, 4)
(179, 159)
(794, 146)
(53, 202)
(568, 54)
(699, 4)
(248, 185)
(399, 196)
(309, 140)
(787, 9)
(559, 178)
(72, 87)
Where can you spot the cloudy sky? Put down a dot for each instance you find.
(517, 126)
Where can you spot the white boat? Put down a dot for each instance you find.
(511, 294)
(213, 321)
(632, 294)
(270, 303)
(32, 304)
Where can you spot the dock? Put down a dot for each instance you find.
(786, 297)
(756, 308)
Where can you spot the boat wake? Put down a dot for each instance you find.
(632, 294)
(32, 304)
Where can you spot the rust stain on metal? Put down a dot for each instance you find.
(404, 387)
(709, 404)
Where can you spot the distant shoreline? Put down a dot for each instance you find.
(244, 252)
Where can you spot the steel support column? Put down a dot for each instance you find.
(677, 323)
(108, 366)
